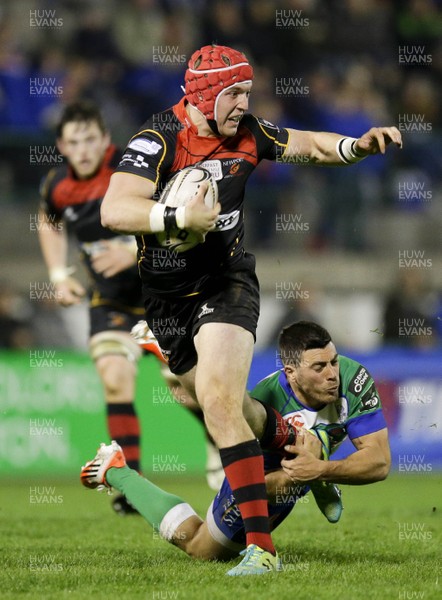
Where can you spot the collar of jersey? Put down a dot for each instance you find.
(180, 111)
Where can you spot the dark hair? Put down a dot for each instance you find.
(83, 111)
(298, 337)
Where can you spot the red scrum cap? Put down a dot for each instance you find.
(211, 71)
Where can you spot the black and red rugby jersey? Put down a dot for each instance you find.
(78, 202)
(167, 143)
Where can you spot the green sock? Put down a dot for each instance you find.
(150, 501)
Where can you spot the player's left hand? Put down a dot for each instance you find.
(309, 441)
(112, 259)
(376, 140)
(304, 466)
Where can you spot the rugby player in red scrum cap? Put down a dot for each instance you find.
(71, 196)
(212, 297)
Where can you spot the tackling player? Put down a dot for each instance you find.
(316, 390)
(212, 297)
(72, 196)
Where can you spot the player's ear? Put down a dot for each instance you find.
(289, 370)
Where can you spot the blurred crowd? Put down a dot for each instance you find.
(331, 66)
(130, 56)
(335, 66)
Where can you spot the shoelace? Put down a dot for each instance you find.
(252, 555)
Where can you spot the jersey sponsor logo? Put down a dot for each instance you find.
(145, 146)
(232, 161)
(137, 161)
(370, 399)
(140, 162)
(231, 515)
(233, 167)
(370, 403)
(214, 167)
(227, 221)
(267, 123)
(205, 310)
(295, 420)
(359, 381)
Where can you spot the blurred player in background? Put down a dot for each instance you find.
(316, 391)
(214, 297)
(72, 196)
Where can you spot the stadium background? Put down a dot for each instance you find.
(337, 246)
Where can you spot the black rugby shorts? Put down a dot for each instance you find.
(232, 297)
(110, 317)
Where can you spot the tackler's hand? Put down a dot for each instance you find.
(304, 466)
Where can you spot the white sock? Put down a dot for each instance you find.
(173, 519)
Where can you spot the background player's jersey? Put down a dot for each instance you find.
(78, 203)
(357, 411)
(167, 143)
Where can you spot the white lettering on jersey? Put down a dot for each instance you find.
(214, 168)
(145, 146)
(138, 161)
(227, 221)
(359, 381)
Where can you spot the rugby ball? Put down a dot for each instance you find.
(183, 186)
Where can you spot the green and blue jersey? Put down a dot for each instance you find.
(356, 412)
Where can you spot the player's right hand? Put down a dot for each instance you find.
(199, 218)
(69, 291)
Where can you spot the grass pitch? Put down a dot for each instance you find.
(69, 544)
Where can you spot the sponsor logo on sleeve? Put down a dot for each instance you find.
(137, 161)
(267, 124)
(360, 379)
(227, 221)
(205, 310)
(145, 146)
(370, 399)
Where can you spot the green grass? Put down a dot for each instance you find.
(79, 549)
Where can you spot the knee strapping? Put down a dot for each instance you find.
(114, 343)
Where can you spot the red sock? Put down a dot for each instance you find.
(244, 468)
(124, 428)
